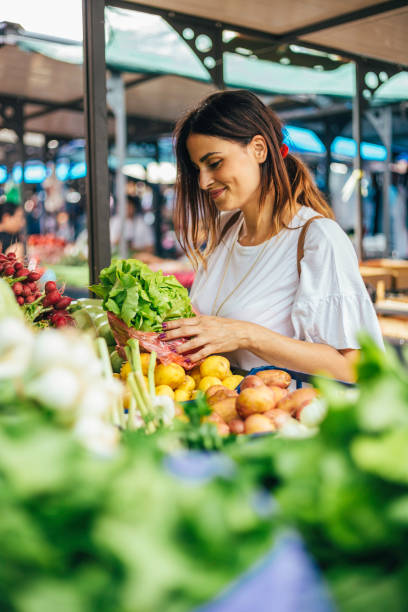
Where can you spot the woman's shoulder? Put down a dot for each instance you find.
(324, 233)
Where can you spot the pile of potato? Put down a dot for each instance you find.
(264, 404)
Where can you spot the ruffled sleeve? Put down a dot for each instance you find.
(332, 304)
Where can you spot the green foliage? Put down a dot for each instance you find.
(8, 304)
(143, 299)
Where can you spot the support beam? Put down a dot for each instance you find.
(96, 132)
(358, 102)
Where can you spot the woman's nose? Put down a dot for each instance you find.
(205, 179)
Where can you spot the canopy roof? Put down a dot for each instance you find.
(146, 48)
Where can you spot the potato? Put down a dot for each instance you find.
(180, 395)
(255, 399)
(279, 392)
(212, 390)
(301, 397)
(221, 394)
(279, 378)
(215, 365)
(188, 384)
(251, 381)
(236, 426)
(258, 423)
(226, 408)
(278, 417)
(195, 374)
(145, 359)
(221, 425)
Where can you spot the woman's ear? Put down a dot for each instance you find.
(259, 148)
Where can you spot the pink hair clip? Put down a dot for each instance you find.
(284, 149)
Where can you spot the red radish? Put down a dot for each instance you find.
(20, 300)
(18, 264)
(50, 286)
(63, 303)
(23, 272)
(33, 286)
(26, 291)
(34, 276)
(18, 288)
(54, 296)
(29, 299)
(8, 270)
(11, 256)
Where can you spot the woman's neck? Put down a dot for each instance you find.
(258, 225)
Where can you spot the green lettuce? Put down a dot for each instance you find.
(143, 299)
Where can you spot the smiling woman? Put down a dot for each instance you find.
(278, 280)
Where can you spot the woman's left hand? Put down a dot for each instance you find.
(209, 335)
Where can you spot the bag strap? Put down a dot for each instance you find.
(301, 240)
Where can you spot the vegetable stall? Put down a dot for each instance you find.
(131, 481)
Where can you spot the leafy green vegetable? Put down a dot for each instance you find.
(8, 304)
(143, 299)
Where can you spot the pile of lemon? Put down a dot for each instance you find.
(174, 381)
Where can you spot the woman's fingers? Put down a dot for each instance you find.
(189, 345)
(168, 325)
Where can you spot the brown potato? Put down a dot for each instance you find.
(278, 417)
(296, 399)
(279, 392)
(258, 423)
(226, 408)
(251, 381)
(279, 378)
(221, 394)
(255, 399)
(221, 425)
(237, 426)
(211, 390)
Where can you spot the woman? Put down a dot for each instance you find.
(257, 304)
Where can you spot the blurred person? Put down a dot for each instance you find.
(11, 224)
(138, 234)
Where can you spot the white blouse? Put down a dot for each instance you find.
(329, 304)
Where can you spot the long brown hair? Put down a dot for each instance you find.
(238, 116)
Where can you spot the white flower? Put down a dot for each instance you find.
(57, 388)
(16, 341)
(314, 412)
(164, 409)
(294, 430)
(96, 435)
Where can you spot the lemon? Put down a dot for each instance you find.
(181, 396)
(188, 384)
(165, 390)
(171, 375)
(231, 382)
(145, 358)
(215, 365)
(207, 382)
(195, 374)
(125, 370)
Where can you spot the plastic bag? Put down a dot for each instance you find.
(148, 341)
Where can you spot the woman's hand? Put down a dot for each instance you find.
(207, 335)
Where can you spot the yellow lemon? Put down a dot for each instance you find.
(171, 375)
(125, 370)
(188, 384)
(195, 375)
(207, 382)
(231, 382)
(215, 365)
(145, 358)
(165, 390)
(181, 396)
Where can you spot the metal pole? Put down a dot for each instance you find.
(357, 121)
(387, 140)
(117, 102)
(96, 132)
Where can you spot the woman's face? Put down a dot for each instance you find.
(227, 170)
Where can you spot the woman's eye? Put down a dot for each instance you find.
(214, 164)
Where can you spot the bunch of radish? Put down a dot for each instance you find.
(49, 307)
(24, 281)
(58, 304)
